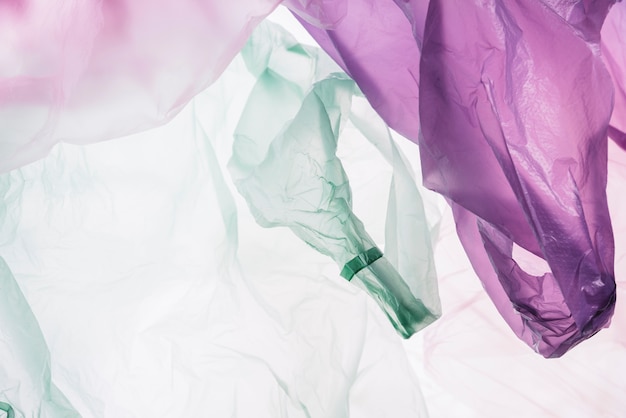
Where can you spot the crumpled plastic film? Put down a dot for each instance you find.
(409, 232)
(284, 164)
(158, 294)
(614, 56)
(371, 40)
(92, 70)
(515, 135)
(127, 252)
(469, 368)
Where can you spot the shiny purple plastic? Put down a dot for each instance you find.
(614, 55)
(372, 42)
(514, 106)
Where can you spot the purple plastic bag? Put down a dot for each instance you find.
(514, 102)
(371, 40)
(614, 55)
(517, 113)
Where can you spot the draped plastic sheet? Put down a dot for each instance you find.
(530, 123)
(85, 71)
(371, 40)
(120, 251)
(153, 300)
(470, 366)
(514, 105)
(290, 176)
(118, 349)
(614, 55)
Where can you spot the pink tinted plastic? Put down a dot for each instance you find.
(515, 103)
(614, 55)
(82, 72)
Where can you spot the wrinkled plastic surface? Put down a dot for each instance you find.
(614, 56)
(121, 248)
(127, 253)
(87, 71)
(158, 295)
(285, 165)
(371, 40)
(473, 366)
(514, 105)
(522, 124)
(25, 378)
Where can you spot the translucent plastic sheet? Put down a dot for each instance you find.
(371, 40)
(514, 103)
(614, 56)
(470, 366)
(525, 129)
(286, 167)
(158, 295)
(84, 71)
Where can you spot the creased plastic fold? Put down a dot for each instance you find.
(159, 295)
(614, 56)
(26, 389)
(285, 165)
(373, 44)
(514, 109)
(86, 71)
(514, 120)
(25, 367)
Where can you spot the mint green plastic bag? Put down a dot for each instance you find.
(285, 165)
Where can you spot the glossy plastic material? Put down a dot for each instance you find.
(285, 165)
